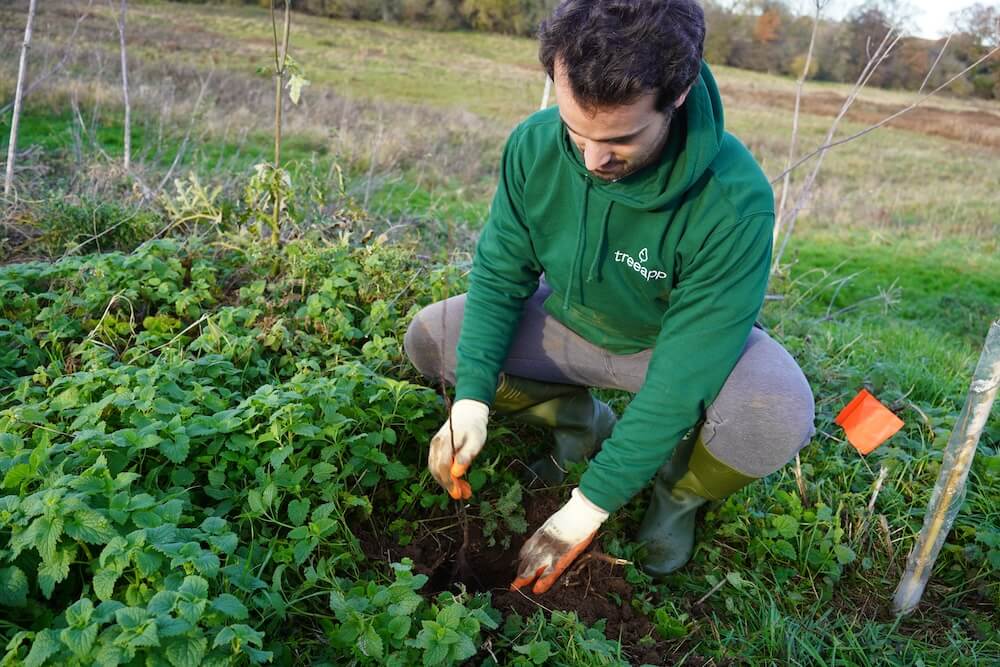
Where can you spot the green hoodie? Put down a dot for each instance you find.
(673, 257)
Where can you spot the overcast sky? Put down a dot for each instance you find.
(930, 18)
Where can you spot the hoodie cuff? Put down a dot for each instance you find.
(603, 497)
(477, 389)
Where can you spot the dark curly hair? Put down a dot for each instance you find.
(618, 50)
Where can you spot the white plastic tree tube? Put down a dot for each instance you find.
(949, 492)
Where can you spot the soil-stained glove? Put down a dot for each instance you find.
(447, 461)
(563, 537)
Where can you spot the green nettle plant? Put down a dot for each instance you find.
(188, 444)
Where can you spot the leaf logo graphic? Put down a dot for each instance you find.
(643, 255)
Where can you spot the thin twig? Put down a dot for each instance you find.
(187, 135)
(709, 594)
(799, 85)
(881, 53)
(533, 600)
(39, 80)
(883, 471)
(181, 333)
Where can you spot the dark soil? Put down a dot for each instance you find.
(592, 587)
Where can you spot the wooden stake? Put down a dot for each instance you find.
(949, 492)
(18, 95)
(127, 133)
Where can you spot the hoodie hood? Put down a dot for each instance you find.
(695, 139)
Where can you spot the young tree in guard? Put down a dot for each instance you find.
(949, 492)
(16, 115)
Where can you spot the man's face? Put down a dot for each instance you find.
(615, 141)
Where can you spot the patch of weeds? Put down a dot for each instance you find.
(504, 516)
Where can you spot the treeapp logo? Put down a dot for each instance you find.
(638, 266)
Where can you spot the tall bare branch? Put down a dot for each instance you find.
(877, 57)
(799, 85)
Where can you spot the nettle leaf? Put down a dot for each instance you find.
(176, 450)
(786, 526)
(187, 651)
(784, 549)
(90, 527)
(394, 470)
(303, 549)
(451, 616)
(194, 587)
(44, 647)
(104, 583)
(79, 613)
(16, 475)
(225, 543)
(47, 531)
(168, 626)
(191, 610)
(370, 644)
(79, 640)
(399, 627)
(214, 525)
(207, 563)
(279, 456)
(298, 510)
(436, 654)
(230, 606)
(53, 571)
(13, 587)
(162, 602)
(844, 554)
(130, 618)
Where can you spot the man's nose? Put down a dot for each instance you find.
(596, 155)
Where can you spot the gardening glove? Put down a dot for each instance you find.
(448, 461)
(563, 537)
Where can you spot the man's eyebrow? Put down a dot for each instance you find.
(611, 140)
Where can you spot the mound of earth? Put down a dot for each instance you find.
(593, 587)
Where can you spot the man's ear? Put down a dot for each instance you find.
(680, 100)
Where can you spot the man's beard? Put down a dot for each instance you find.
(642, 160)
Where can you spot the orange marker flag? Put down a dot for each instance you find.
(867, 422)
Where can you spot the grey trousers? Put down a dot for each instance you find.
(761, 418)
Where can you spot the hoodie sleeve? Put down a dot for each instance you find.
(702, 334)
(505, 273)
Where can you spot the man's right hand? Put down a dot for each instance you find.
(468, 424)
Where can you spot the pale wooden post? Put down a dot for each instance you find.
(949, 492)
(18, 95)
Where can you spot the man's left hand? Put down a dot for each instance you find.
(554, 546)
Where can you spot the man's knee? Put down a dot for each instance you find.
(765, 413)
(420, 344)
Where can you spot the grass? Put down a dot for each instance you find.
(890, 283)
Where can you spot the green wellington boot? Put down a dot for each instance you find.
(579, 422)
(693, 477)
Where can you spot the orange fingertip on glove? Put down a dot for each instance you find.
(460, 489)
(545, 583)
(867, 423)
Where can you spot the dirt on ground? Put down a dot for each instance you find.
(592, 587)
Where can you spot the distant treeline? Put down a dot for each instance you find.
(761, 35)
